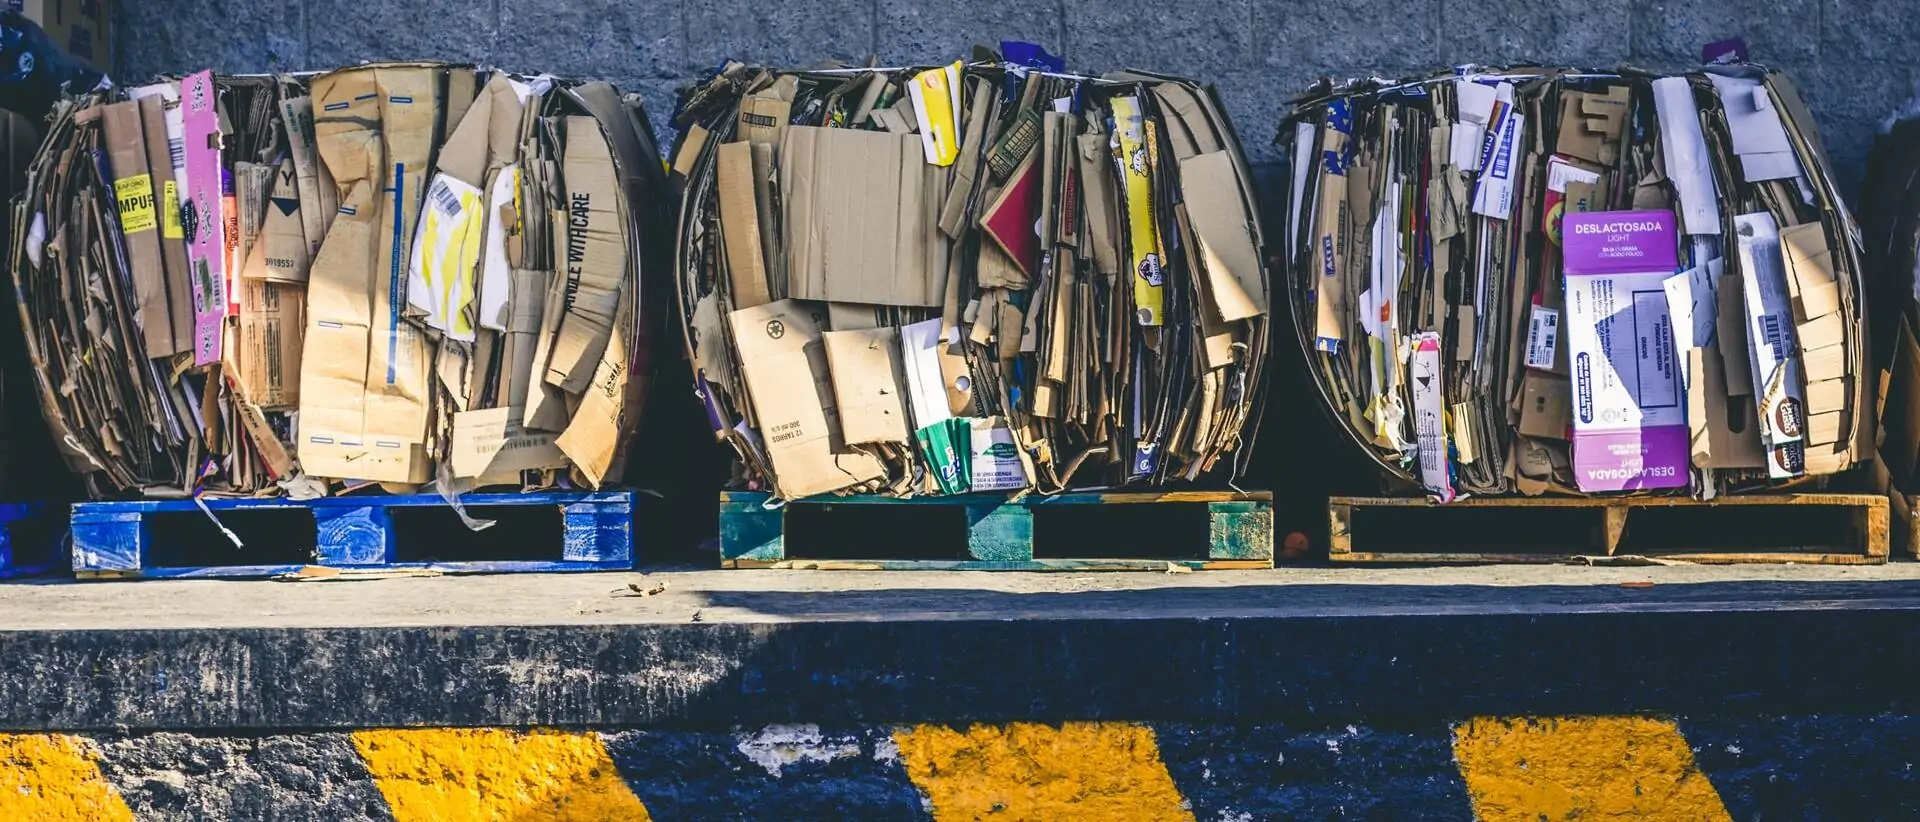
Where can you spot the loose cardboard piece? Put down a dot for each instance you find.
(994, 462)
(139, 212)
(1546, 411)
(1780, 387)
(1724, 433)
(273, 327)
(315, 183)
(1629, 423)
(1688, 163)
(173, 236)
(282, 253)
(920, 359)
(364, 377)
(1235, 280)
(492, 444)
(206, 242)
(866, 370)
(740, 223)
(784, 362)
(1136, 173)
(446, 247)
(596, 261)
(860, 223)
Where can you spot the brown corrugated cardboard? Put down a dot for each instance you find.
(740, 223)
(1235, 286)
(1103, 221)
(596, 260)
(272, 330)
(859, 218)
(173, 236)
(1731, 332)
(791, 390)
(251, 184)
(690, 147)
(492, 445)
(317, 195)
(764, 114)
(282, 253)
(867, 376)
(595, 439)
(134, 194)
(546, 403)
(364, 380)
(1723, 433)
(529, 304)
(1546, 409)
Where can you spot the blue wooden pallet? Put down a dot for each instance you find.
(20, 557)
(1000, 532)
(114, 539)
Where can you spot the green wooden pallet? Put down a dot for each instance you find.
(1000, 532)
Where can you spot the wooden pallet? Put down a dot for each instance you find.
(592, 532)
(30, 536)
(999, 535)
(1825, 529)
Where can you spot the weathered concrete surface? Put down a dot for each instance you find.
(1852, 57)
(1524, 694)
(722, 650)
(787, 596)
(1706, 767)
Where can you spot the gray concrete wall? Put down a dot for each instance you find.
(1854, 58)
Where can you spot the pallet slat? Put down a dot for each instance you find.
(115, 540)
(1000, 532)
(1866, 541)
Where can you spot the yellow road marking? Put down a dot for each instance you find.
(52, 778)
(1081, 770)
(1585, 768)
(444, 775)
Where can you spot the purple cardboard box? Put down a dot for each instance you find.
(1629, 412)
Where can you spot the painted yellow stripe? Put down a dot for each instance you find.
(1082, 770)
(455, 775)
(1585, 768)
(51, 778)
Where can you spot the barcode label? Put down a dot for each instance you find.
(445, 200)
(177, 149)
(1773, 333)
(1543, 338)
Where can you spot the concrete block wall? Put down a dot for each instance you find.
(1853, 58)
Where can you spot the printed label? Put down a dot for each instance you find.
(170, 226)
(135, 197)
(1543, 337)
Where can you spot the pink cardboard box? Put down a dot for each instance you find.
(1629, 412)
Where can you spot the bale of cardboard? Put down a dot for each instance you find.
(1890, 221)
(401, 273)
(985, 276)
(1537, 280)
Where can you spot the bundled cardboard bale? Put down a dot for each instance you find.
(983, 276)
(1890, 218)
(1540, 280)
(397, 273)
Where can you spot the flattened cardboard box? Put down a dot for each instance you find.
(862, 221)
(273, 325)
(866, 370)
(596, 259)
(492, 445)
(788, 382)
(139, 211)
(364, 378)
